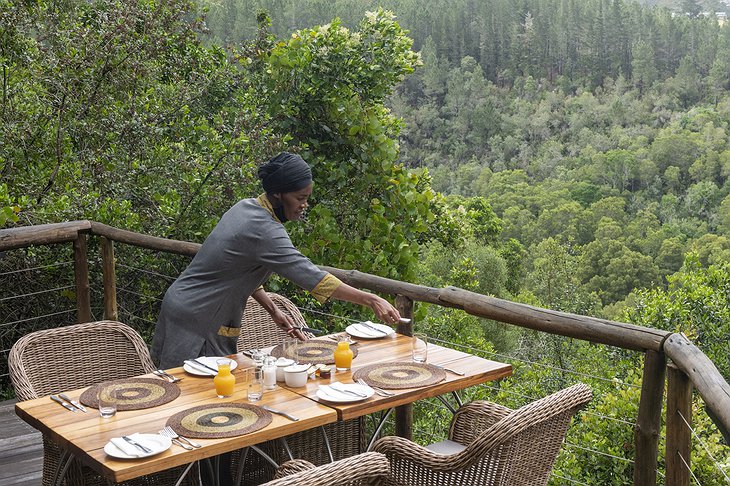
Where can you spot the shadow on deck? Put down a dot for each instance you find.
(21, 449)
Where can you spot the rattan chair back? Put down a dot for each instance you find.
(66, 358)
(503, 447)
(258, 329)
(70, 357)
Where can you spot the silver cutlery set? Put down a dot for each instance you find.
(183, 442)
(68, 403)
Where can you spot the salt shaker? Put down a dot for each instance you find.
(269, 369)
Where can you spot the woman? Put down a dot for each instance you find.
(201, 312)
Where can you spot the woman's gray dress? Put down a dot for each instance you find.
(201, 312)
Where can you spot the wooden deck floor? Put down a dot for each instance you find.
(21, 449)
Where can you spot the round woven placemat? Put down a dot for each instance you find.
(313, 351)
(218, 421)
(400, 375)
(133, 393)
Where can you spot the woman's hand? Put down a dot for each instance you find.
(384, 310)
(286, 323)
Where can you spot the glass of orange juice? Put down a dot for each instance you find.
(224, 380)
(343, 355)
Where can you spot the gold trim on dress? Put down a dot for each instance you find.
(325, 288)
(266, 204)
(229, 331)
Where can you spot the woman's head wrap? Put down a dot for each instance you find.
(285, 172)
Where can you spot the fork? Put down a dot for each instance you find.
(169, 430)
(379, 391)
(165, 374)
(165, 433)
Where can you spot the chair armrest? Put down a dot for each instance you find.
(472, 419)
(292, 467)
(369, 465)
(401, 449)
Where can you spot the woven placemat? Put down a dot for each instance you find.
(400, 375)
(218, 421)
(133, 393)
(313, 351)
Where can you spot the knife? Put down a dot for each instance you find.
(199, 367)
(205, 365)
(137, 444)
(345, 390)
(273, 410)
(460, 373)
(316, 332)
(72, 402)
(370, 328)
(63, 402)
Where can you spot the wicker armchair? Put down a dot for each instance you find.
(369, 468)
(41, 364)
(346, 439)
(489, 444)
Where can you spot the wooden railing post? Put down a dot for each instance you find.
(81, 278)
(109, 278)
(679, 435)
(648, 422)
(404, 413)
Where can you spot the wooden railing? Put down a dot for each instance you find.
(689, 366)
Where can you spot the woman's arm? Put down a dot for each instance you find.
(281, 319)
(382, 308)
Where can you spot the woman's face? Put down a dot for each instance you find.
(295, 203)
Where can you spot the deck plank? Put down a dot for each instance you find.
(21, 449)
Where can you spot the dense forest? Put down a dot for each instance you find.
(569, 154)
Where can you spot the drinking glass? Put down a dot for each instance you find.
(255, 384)
(289, 347)
(257, 357)
(419, 347)
(107, 401)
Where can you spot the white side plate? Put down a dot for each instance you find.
(358, 330)
(155, 442)
(328, 394)
(210, 361)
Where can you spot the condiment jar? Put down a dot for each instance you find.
(269, 369)
(282, 363)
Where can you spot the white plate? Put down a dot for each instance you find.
(326, 393)
(152, 441)
(358, 330)
(210, 361)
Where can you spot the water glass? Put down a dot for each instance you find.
(289, 347)
(419, 347)
(257, 357)
(107, 401)
(255, 384)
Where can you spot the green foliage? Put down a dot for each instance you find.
(697, 303)
(325, 88)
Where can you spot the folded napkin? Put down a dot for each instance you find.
(132, 450)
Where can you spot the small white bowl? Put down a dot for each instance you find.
(282, 363)
(296, 375)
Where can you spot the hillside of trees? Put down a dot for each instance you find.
(568, 154)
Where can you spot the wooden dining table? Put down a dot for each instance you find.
(397, 348)
(85, 434)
